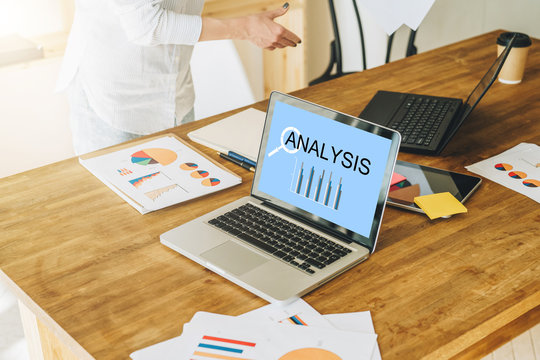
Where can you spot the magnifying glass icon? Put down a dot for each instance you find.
(282, 146)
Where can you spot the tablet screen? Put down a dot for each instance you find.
(424, 180)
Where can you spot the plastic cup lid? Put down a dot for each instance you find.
(522, 40)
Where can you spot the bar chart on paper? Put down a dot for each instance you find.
(316, 185)
(212, 347)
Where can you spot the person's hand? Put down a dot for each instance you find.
(263, 31)
(260, 29)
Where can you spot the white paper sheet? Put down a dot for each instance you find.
(391, 14)
(515, 168)
(225, 335)
(298, 312)
(303, 312)
(268, 333)
(357, 322)
(240, 133)
(159, 173)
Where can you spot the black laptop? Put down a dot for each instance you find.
(427, 123)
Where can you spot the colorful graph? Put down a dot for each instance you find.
(322, 191)
(189, 166)
(212, 347)
(153, 195)
(210, 182)
(503, 167)
(400, 185)
(310, 354)
(199, 174)
(124, 172)
(154, 156)
(295, 319)
(139, 181)
(517, 174)
(531, 183)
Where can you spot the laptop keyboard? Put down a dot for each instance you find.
(282, 239)
(421, 119)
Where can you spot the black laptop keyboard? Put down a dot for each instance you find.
(421, 120)
(287, 241)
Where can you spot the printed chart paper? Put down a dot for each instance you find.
(297, 313)
(269, 333)
(159, 173)
(517, 168)
(209, 336)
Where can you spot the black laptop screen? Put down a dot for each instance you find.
(326, 168)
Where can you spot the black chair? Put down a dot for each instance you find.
(336, 60)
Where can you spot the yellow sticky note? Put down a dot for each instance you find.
(441, 204)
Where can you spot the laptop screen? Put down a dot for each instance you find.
(326, 167)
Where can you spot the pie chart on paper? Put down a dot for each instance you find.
(199, 174)
(531, 183)
(310, 354)
(210, 182)
(517, 174)
(153, 156)
(188, 166)
(503, 167)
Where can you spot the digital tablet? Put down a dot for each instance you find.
(424, 180)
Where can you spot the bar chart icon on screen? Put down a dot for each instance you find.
(316, 185)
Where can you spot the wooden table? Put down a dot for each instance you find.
(94, 281)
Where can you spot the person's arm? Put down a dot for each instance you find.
(147, 23)
(260, 29)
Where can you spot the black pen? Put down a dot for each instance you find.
(237, 162)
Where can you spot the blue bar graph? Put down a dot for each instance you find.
(319, 185)
(300, 177)
(324, 192)
(310, 179)
(338, 196)
(328, 190)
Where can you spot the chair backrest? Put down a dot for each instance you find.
(350, 30)
(359, 41)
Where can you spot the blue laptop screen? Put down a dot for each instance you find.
(325, 167)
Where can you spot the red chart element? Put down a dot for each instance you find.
(503, 167)
(531, 183)
(517, 174)
(154, 156)
(189, 166)
(210, 182)
(199, 174)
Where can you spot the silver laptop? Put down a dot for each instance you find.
(315, 209)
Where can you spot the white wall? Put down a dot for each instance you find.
(33, 119)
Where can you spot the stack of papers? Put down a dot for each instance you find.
(292, 332)
(240, 133)
(517, 168)
(152, 174)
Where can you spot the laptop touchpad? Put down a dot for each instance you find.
(233, 258)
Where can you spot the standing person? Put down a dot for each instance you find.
(126, 67)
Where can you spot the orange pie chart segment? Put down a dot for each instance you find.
(310, 354)
(162, 156)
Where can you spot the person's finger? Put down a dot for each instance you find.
(287, 42)
(289, 35)
(278, 12)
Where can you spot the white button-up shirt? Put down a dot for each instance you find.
(132, 59)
